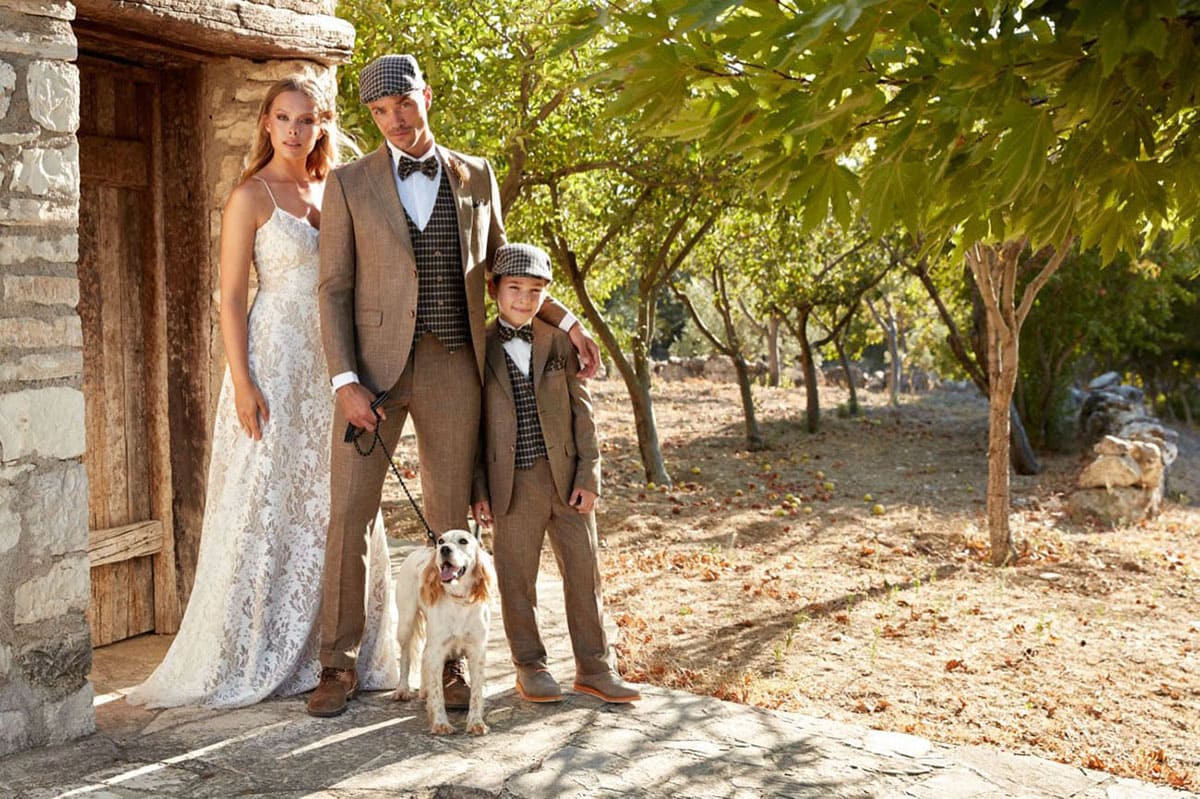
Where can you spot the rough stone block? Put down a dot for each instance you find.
(10, 525)
(44, 421)
(54, 95)
(28, 211)
(65, 588)
(5, 659)
(1109, 471)
(72, 717)
(43, 366)
(1111, 445)
(43, 171)
(59, 666)
(55, 510)
(14, 733)
(1115, 506)
(41, 289)
(51, 39)
(8, 82)
(65, 331)
(20, 249)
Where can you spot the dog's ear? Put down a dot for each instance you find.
(431, 584)
(484, 576)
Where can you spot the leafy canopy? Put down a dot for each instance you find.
(1048, 119)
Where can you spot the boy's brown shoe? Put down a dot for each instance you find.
(607, 686)
(336, 688)
(537, 685)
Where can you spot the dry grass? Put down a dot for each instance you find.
(772, 579)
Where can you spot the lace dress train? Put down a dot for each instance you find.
(251, 625)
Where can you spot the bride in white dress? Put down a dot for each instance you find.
(250, 628)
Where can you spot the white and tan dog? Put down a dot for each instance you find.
(443, 596)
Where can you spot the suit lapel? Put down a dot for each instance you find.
(462, 204)
(384, 186)
(496, 362)
(541, 353)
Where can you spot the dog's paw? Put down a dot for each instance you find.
(477, 728)
(403, 694)
(441, 728)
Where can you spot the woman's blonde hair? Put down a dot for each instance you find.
(324, 155)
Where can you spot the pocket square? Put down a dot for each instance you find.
(555, 365)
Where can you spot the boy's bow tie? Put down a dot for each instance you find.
(408, 166)
(524, 332)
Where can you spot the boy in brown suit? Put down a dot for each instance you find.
(539, 474)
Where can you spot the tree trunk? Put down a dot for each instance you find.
(812, 397)
(754, 439)
(636, 375)
(888, 325)
(995, 275)
(773, 351)
(839, 343)
(995, 272)
(1023, 459)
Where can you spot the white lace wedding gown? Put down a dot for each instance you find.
(250, 629)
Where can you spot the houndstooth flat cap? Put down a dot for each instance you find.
(521, 260)
(389, 74)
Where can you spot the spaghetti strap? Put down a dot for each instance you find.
(270, 193)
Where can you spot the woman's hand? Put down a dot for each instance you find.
(250, 403)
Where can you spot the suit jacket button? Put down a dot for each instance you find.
(414, 273)
(412, 314)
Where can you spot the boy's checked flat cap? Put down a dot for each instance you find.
(521, 260)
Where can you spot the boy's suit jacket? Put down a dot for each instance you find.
(368, 288)
(564, 410)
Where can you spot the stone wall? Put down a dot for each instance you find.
(45, 649)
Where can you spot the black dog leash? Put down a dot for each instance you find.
(352, 436)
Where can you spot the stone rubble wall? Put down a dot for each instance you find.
(1126, 480)
(45, 648)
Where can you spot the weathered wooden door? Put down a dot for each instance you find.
(123, 309)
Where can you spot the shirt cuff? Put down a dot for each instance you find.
(343, 379)
(568, 322)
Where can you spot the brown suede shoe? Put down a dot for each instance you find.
(537, 685)
(607, 686)
(336, 688)
(455, 687)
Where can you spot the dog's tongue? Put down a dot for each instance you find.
(449, 572)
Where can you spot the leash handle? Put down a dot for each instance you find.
(352, 436)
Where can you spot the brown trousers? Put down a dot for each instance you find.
(441, 391)
(536, 510)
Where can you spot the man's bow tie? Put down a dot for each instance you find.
(524, 332)
(409, 166)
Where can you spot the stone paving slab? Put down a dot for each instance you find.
(672, 745)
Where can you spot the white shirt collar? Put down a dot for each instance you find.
(397, 153)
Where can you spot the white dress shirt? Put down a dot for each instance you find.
(417, 192)
(520, 350)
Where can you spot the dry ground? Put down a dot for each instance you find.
(773, 579)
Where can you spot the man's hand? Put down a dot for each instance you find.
(589, 351)
(482, 511)
(354, 401)
(583, 500)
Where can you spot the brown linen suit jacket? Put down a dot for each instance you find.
(564, 410)
(368, 285)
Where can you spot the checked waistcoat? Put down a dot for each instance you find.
(531, 446)
(441, 289)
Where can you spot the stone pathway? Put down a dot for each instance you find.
(672, 744)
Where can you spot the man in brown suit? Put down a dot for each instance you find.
(407, 235)
(540, 472)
